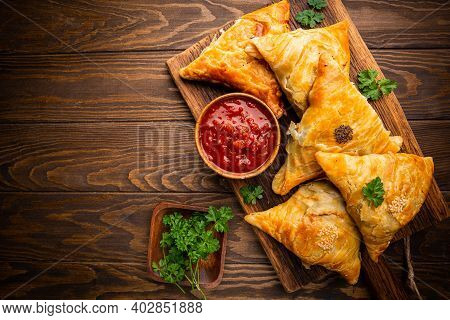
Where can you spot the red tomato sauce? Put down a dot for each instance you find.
(238, 134)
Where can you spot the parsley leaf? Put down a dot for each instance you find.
(220, 217)
(387, 86)
(251, 193)
(317, 4)
(372, 88)
(374, 192)
(170, 268)
(206, 244)
(166, 240)
(367, 78)
(372, 92)
(309, 18)
(187, 241)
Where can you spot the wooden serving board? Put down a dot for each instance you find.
(289, 268)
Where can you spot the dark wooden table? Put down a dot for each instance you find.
(94, 134)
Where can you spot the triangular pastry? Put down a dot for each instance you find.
(300, 165)
(339, 119)
(405, 180)
(294, 56)
(226, 61)
(315, 226)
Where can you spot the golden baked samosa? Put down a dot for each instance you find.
(294, 57)
(226, 61)
(315, 226)
(339, 119)
(383, 192)
(300, 165)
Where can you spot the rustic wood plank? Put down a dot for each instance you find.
(103, 25)
(130, 156)
(158, 156)
(401, 24)
(427, 246)
(97, 87)
(118, 226)
(131, 281)
(431, 279)
(289, 268)
(422, 76)
(426, 132)
(381, 279)
(114, 227)
(138, 87)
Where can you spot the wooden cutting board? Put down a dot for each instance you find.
(291, 272)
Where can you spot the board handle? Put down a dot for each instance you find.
(381, 279)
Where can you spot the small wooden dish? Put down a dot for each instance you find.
(229, 174)
(211, 270)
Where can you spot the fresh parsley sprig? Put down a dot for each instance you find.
(251, 194)
(387, 85)
(310, 18)
(317, 4)
(374, 192)
(372, 88)
(188, 241)
(220, 218)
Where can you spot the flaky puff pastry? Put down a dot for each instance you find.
(226, 61)
(300, 165)
(294, 57)
(315, 226)
(339, 119)
(406, 180)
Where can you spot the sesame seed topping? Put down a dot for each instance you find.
(328, 236)
(397, 205)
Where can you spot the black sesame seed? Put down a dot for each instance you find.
(343, 134)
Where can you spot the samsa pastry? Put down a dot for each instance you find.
(339, 119)
(315, 226)
(405, 179)
(294, 57)
(226, 61)
(300, 165)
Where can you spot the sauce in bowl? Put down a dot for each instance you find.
(238, 133)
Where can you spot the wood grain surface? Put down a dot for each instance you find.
(381, 279)
(104, 25)
(130, 281)
(289, 268)
(138, 87)
(75, 111)
(68, 280)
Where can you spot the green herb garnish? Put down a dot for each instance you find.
(317, 4)
(188, 241)
(309, 18)
(374, 192)
(220, 218)
(251, 193)
(387, 86)
(372, 88)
